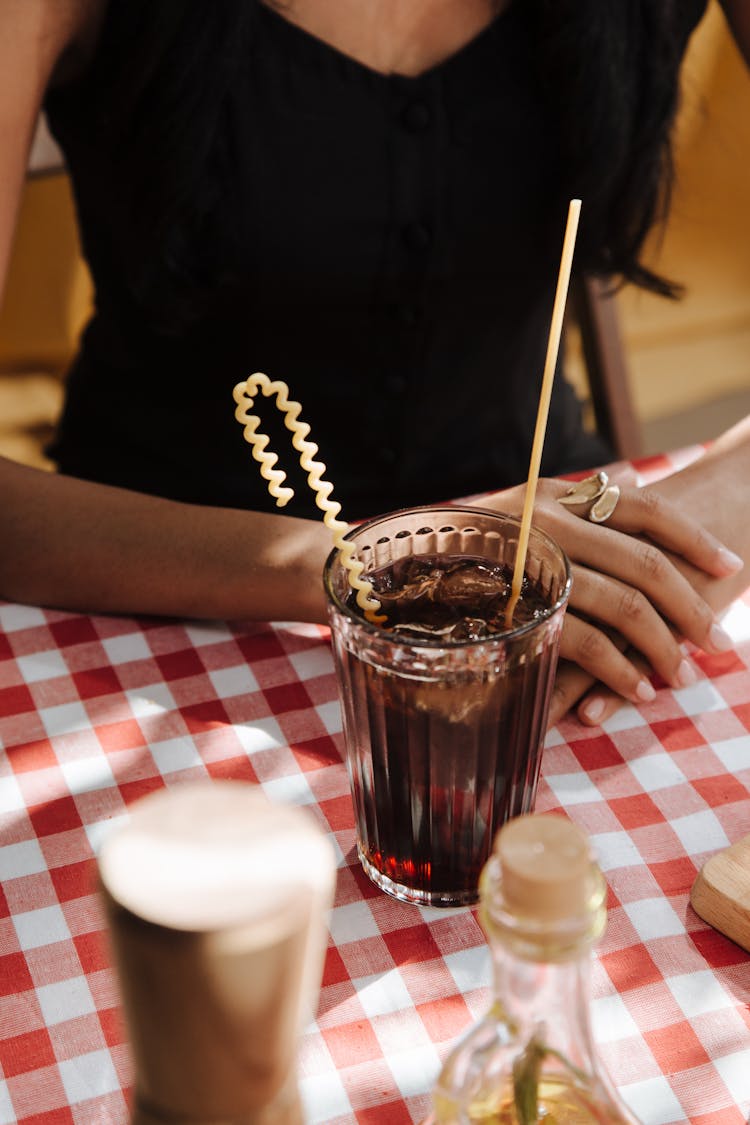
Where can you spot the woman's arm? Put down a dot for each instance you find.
(77, 545)
(716, 490)
(83, 546)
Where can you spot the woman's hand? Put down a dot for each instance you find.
(715, 490)
(627, 587)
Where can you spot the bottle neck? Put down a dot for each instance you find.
(546, 1004)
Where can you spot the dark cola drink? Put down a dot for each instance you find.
(452, 759)
(452, 597)
(445, 714)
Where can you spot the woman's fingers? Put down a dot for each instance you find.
(623, 474)
(627, 610)
(641, 583)
(645, 568)
(571, 683)
(598, 704)
(638, 564)
(593, 651)
(643, 511)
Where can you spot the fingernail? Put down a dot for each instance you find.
(685, 674)
(593, 710)
(720, 640)
(729, 561)
(645, 691)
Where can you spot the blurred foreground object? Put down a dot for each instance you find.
(217, 903)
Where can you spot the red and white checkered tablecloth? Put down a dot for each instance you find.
(97, 711)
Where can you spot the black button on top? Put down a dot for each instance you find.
(417, 236)
(417, 117)
(395, 384)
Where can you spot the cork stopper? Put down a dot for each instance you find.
(546, 868)
(217, 903)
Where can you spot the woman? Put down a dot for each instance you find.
(368, 204)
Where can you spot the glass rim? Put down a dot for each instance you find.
(427, 641)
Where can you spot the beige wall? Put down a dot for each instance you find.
(48, 291)
(47, 300)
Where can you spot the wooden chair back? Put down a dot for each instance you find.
(594, 307)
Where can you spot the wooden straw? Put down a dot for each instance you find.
(553, 346)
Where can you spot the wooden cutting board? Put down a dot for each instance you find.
(721, 892)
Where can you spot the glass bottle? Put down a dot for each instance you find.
(532, 1057)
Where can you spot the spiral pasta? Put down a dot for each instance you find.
(244, 395)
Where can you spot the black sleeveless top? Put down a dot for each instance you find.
(399, 256)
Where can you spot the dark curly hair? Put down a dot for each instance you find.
(611, 72)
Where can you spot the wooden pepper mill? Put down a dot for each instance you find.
(217, 902)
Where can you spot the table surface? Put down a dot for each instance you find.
(98, 711)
